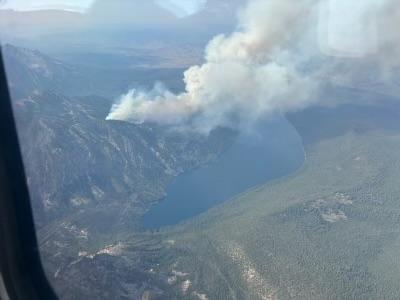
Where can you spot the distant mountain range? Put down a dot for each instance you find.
(121, 14)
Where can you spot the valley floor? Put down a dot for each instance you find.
(330, 231)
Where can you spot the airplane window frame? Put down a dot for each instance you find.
(20, 263)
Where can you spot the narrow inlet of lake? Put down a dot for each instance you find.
(274, 149)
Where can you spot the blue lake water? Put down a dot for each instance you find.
(273, 150)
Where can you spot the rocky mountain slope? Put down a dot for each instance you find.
(90, 179)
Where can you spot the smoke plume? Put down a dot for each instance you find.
(269, 64)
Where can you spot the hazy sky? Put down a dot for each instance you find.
(180, 8)
(76, 5)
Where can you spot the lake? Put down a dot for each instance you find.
(272, 150)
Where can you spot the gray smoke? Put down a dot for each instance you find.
(269, 64)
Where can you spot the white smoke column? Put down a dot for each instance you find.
(247, 75)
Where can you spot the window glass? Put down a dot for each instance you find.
(210, 149)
